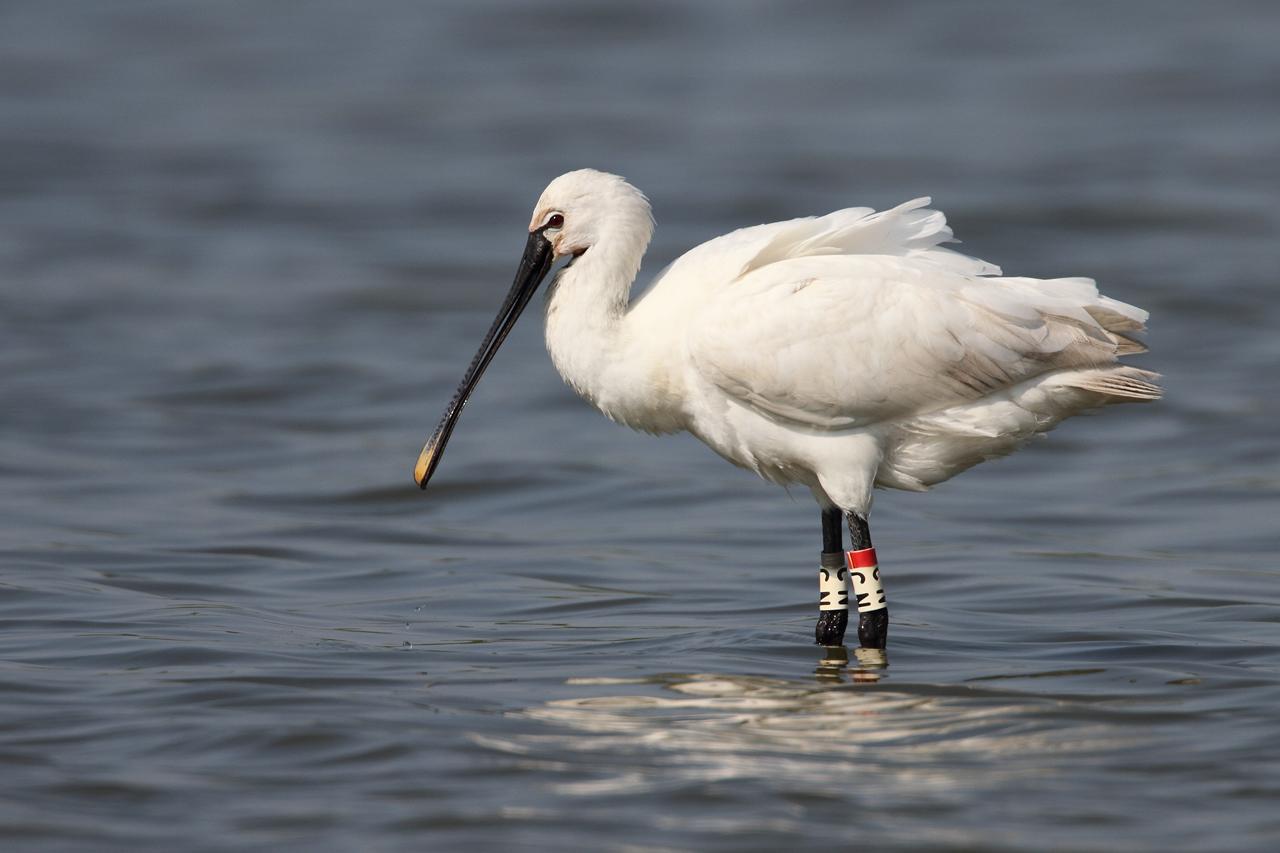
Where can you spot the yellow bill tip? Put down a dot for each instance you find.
(423, 468)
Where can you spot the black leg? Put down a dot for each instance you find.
(833, 597)
(868, 589)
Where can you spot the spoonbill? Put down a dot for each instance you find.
(841, 353)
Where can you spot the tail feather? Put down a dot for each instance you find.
(1126, 345)
(1116, 316)
(1122, 383)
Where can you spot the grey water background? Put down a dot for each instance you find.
(246, 250)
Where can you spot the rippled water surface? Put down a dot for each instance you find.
(246, 250)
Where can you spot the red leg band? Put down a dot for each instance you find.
(864, 577)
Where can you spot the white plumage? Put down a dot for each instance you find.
(840, 352)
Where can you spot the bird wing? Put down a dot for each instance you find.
(908, 228)
(859, 317)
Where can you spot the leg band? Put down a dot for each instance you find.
(868, 591)
(833, 594)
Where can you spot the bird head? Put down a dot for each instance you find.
(582, 208)
(577, 211)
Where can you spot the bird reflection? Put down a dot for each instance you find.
(625, 736)
(834, 665)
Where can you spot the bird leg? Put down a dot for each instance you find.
(833, 595)
(868, 589)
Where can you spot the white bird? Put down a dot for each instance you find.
(841, 352)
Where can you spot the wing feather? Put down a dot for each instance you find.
(871, 338)
(861, 316)
(908, 230)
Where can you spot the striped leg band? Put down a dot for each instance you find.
(864, 572)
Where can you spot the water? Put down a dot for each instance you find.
(246, 251)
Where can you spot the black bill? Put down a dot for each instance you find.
(533, 269)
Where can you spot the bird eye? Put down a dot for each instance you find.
(556, 221)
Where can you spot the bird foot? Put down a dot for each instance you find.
(873, 628)
(831, 627)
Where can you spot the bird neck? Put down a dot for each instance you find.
(595, 346)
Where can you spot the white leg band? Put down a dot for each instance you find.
(832, 592)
